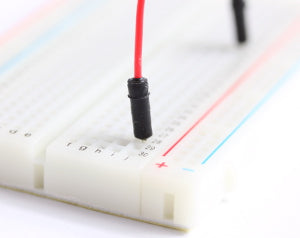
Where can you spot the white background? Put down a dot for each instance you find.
(265, 202)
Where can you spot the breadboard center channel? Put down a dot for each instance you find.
(65, 126)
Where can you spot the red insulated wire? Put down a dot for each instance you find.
(139, 39)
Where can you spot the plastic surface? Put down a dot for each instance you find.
(65, 126)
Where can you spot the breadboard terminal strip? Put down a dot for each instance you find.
(71, 139)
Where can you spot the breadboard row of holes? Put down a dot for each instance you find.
(45, 82)
(93, 135)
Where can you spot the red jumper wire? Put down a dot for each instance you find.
(138, 86)
(139, 39)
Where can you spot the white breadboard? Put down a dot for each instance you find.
(65, 125)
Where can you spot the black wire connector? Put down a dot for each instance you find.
(239, 14)
(140, 107)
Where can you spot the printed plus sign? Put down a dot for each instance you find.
(163, 164)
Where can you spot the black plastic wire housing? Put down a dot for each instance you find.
(239, 14)
(140, 107)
